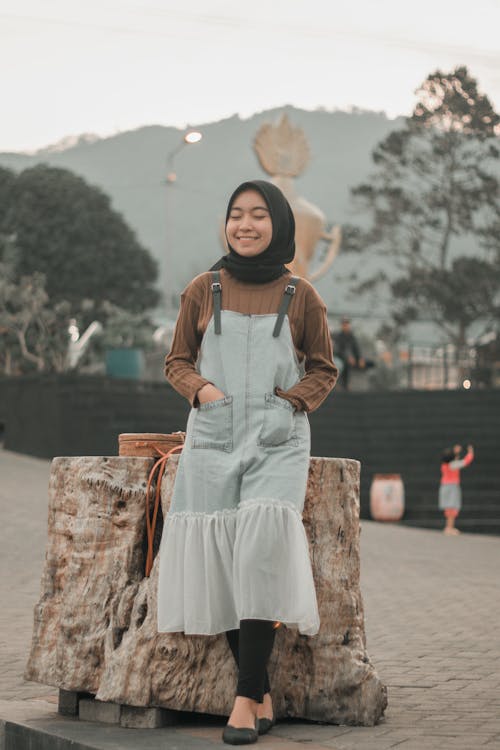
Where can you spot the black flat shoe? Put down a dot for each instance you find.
(266, 724)
(240, 736)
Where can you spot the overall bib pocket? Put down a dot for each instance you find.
(278, 426)
(213, 425)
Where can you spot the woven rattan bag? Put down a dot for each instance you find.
(152, 444)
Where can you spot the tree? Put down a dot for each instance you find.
(7, 182)
(52, 221)
(464, 293)
(33, 335)
(67, 230)
(125, 329)
(434, 180)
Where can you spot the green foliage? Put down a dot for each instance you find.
(435, 180)
(33, 334)
(65, 255)
(67, 230)
(465, 292)
(123, 329)
(452, 101)
(7, 182)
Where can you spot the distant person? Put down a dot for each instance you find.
(346, 348)
(450, 492)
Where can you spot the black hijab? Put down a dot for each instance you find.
(269, 264)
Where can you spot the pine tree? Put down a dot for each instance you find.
(434, 180)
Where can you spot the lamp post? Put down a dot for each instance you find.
(192, 136)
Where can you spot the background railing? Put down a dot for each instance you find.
(423, 366)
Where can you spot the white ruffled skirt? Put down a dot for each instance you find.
(248, 563)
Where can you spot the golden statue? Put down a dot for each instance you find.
(283, 152)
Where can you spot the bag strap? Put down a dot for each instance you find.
(285, 302)
(216, 294)
(158, 470)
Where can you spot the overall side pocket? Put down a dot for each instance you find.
(278, 426)
(213, 425)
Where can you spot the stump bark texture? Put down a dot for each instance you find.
(95, 623)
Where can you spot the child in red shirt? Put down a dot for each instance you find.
(450, 493)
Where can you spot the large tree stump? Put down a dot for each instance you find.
(95, 623)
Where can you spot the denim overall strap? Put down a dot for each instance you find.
(216, 293)
(234, 534)
(286, 299)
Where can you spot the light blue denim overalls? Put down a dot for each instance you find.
(233, 544)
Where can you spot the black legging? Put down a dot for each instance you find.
(251, 646)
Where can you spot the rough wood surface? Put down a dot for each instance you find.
(95, 623)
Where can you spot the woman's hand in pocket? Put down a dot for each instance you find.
(209, 392)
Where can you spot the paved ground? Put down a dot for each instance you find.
(432, 609)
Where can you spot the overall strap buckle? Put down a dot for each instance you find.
(216, 296)
(285, 302)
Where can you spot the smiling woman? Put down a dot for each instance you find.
(234, 556)
(249, 228)
(259, 211)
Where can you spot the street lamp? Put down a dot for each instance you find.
(192, 136)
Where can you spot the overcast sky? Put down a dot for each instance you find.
(103, 66)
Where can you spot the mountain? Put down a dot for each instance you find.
(179, 222)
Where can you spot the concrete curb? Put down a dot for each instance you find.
(26, 725)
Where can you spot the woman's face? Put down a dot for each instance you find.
(249, 228)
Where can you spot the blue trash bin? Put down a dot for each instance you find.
(125, 363)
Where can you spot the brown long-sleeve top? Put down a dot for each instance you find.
(308, 323)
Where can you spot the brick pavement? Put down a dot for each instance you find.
(432, 609)
(23, 534)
